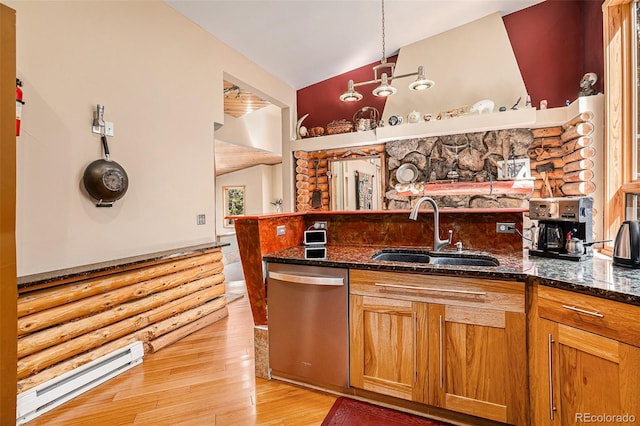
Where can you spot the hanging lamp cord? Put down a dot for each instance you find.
(384, 57)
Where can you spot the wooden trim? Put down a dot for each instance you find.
(590, 343)
(631, 187)
(619, 87)
(8, 289)
(474, 407)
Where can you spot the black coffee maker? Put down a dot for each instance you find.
(560, 219)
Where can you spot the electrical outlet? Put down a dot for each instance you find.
(108, 128)
(280, 230)
(320, 225)
(505, 228)
(201, 219)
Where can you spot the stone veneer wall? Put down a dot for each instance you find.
(565, 150)
(469, 157)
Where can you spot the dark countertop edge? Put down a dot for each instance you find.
(373, 212)
(602, 293)
(80, 271)
(488, 272)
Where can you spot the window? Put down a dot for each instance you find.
(621, 90)
(233, 203)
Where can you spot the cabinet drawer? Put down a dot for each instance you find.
(460, 291)
(607, 318)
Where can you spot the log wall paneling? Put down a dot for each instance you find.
(65, 326)
(567, 154)
(566, 151)
(35, 301)
(305, 173)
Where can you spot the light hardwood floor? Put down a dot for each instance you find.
(206, 378)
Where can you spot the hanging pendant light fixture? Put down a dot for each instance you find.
(385, 88)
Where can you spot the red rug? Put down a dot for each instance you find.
(347, 411)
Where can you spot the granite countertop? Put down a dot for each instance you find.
(84, 270)
(596, 276)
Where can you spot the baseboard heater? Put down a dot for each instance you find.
(46, 396)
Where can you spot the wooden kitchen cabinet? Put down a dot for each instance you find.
(388, 342)
(583, 364)
(477, 358)
(453, 342)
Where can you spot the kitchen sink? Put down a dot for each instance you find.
(401, 256)
(464, 261)
(414, 256)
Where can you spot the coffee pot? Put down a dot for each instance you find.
(550, 236)
(564, 227)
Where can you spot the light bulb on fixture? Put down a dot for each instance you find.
(351, 95)
(384, 88)
(421, 82)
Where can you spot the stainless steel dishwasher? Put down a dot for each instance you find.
(308, 319)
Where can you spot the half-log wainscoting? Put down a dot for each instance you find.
(80, 318)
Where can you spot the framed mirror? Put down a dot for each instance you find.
(233, 203)
(357, 183)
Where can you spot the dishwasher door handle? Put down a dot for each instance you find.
(302, 279)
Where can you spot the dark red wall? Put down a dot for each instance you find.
(593, 40)
(322, 100)
(555, 43)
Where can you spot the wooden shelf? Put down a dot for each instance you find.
(510, 119)
(335, 141)
(466, 124)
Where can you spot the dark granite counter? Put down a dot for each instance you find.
(597, 276)
(76, 273)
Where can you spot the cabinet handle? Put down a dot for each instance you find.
(440, 351)
(444, 290)
(552, 407)
(415, 347)
(583, 311)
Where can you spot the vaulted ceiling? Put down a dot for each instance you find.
(312, 40)
(307, 41)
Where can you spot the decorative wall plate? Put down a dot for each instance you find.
(407, 173)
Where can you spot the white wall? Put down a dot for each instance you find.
(469, 63)
(261, 129)
(260, 191)
(160, 79)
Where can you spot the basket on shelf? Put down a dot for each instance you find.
(339, 126)
(366, 119)
(316, 131)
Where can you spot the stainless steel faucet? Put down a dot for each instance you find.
(437, 242)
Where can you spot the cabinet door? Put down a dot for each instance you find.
(587, 375)
(387, 337)
(478, 362)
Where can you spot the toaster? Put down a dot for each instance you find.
(626, 249)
